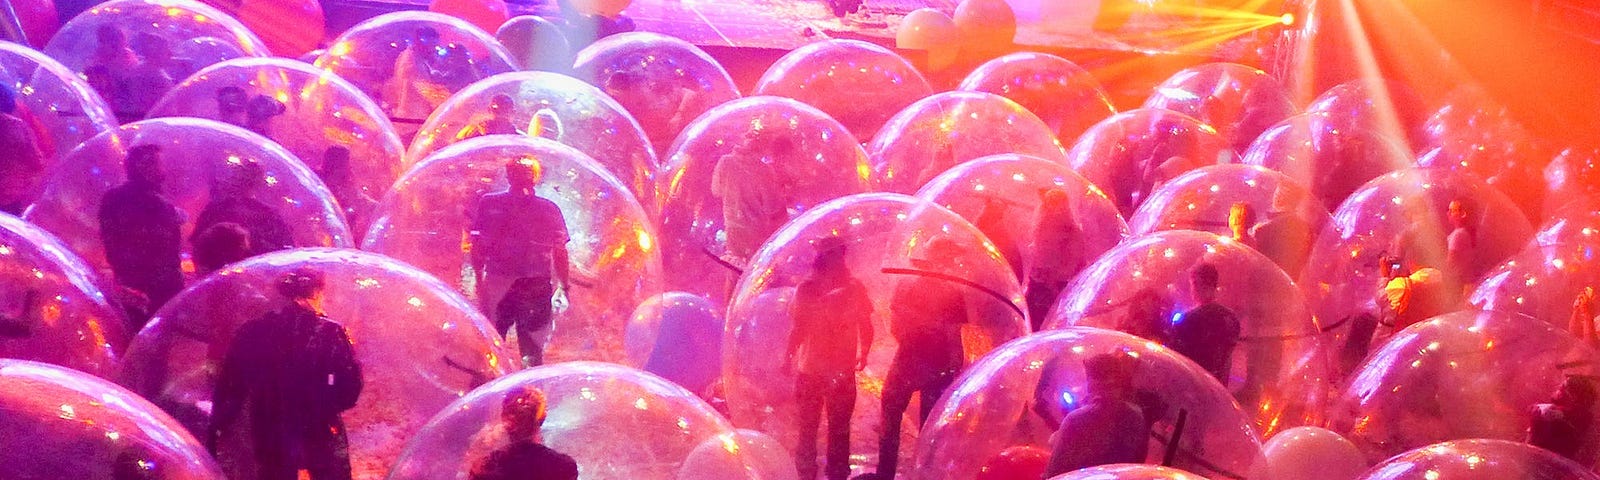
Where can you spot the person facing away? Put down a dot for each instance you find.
(524, 457)
(1563, 425)
(1058, 254)
(142, 230)
(1284, 237)
(1207, 333)
(519, 257)
(219, 245)
(233, 201)
(501, 108)
(291, 372)
(21, 158)
(925, 319)
(1109, 427)
(340, 178)
(152, 78)
(233, 106)
(829, 343)
(753, 208)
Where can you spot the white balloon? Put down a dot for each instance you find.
(1308, 453)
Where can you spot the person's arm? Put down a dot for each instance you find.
(799, 331)
(480, 242)
(345, 379)
(232, 386)
(862, 314)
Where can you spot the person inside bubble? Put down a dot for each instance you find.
(1582, 322)
(232, 106)
(1284, 237)
(21, 324)
(233, 200)
(752, 209)
(454, 68)
(152, 78)
(413, 84)
(519, 257)
(260, 112)
(524, 456)
(1058, 254)
(219, 245)
(142, 230)
(832, 335)
(1208, 332)
(1563, 425)
(111, 50)
(1109, 427)
(1405, 298)
(21, 159)
(501, 108)
(337, 174)
(1461, 243)
(1241, 217)
(1149, 316)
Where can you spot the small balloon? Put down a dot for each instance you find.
(986, 25)
(1308, 453)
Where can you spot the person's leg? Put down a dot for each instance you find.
(808, 400)
(535, 329)
(931, 392)
(897, 390)
(492, 294)
(329, 458)
(841, 392)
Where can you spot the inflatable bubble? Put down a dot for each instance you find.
(1380, 106)
(60, 423)
(943, 130)
(1541, 282)
(616, 422)
(1478, 460)
(1064, 96)
(1128, 472)
(857, 83)
(311, 112)
(133, 51)
(866, 256)
(53, 307)
(1021, 461)
(485, 14)
(549, 105)
(1048, 222)
(1308, 453)
(426, 220)
(1577, 222)
(1331, 160)
(535, 44)
(677, 336)
(1574, 175)
(1239, 101)
(746, 454)
(1514, 169)
(985, 25)
(664, 82)
(59, 110)
(1261, 208)
(267, 18)
(1269, 355)
(1024, 391)
(1457, 376)
(926, 29)
(411, 62)
(741, 171)
(419, 345)
(1132, 153)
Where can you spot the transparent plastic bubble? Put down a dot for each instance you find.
(548, 105)
(1066, 97)
(1573, 176)
(741, 171)
(266, 18)
(745, 454)
(1132, 153)
(1274, 366)
(1253, 205)
(1541, 282)
(197, 157)
(535, 44)
(426, 218)
(420, 347)
(1456, 376)
(616, 422)
(53, 307)
(1577, 222)
(61, 423)
(1240, 101)
(1048, 222)
(409, 63)
(664, 82)
(1020, 393)
(59, 112)
(1380, 106)
(1309, 453)
(1331, 160)
(1128, 472)
(677, 336)
(945, 129)
(133, 51)
(910, 264)
(985, 25)
(1514, 169)
(857, 83)
(308, 111)
(1478, 460)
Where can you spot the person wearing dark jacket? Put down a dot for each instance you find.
(233, 201)
(1207, 333)
(143, 231)
(524, 457)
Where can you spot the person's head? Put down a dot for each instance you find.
(239, 180)
(1577, 393)
(110, 37)
(336, 166)
(304, 286)
(832, 253)
(262, 107)
(221, 244)
(1054, 200)
(940, 253)
(1460, 213)
(1203, 278)
(522, 174)
(231, 100)
(426, 37)
(144, 165)
(151, 47)
(501, 105)
(523, 411)
(1110, 374)
(1241, 216)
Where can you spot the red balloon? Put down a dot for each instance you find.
(1018, 462)
(288, 27)
(485, 14)
(39, 20)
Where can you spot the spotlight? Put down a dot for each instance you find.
(1286, 19)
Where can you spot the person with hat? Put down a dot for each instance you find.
(524, 457)
(829, 343)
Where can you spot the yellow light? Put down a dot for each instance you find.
(1286, 19)
(644, 239)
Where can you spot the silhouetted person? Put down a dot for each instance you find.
(525, 457)
(21, 159)
(152, 78)
(295, 372)
(1241, 216)
(233, 201)
(219, 245)
(142, 231)
(1058, 254)
(519, 254)
(829, 343)
(233, 106)
(752, 210)
(338, 175)
(501, 107)
(260, 112)
(1563, 425)
(1207, 333)
(1461, 244)
(1109, 427)
(1149, 316)
(925, 319)
(1581, 323)
(20, 325)
(1284, 237)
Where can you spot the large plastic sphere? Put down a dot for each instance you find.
(485, 14)
(1132, 153)
(857, 83)
(945, 129)
(552, 106)
(60, 110)
(319, 111)
(1063, 95)
(394, 59)
(1514, 168)
(1331, 160)
(1573, 176)
(267, 19)
(677, 336)
(1456, 376)
(737, 174)
(420, 346)
(1478, 460)
(1239, 101)
(1128, 472)
(1577, 222)
(664, 82)
(1541, 282)
(53, 307)
(1019, 394)
(1277, 368)
(426, 217)
(195, 153)
(1282, 221)
(1309, 453)
(1380, 106)
(880, 235)
(985, 25)
(925, 29)
(535, 44)
(616, 422)
(745, 454)
(61, 423)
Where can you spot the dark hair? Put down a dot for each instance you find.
(526, 399)
(1109, 367)
(829, 250)
(221, 244)
(262, 106)
(148, 152)
(1204, 275)
(301, 283)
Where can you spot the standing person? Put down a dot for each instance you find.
(293, 372)
(152, 78)
(519, 257)
(1058, 254)
(525, 457)
(1109, 427)
(21, 158)
(752, 209)
(828, 345)
(143, 231)
(1563, 425)
(1461, 245)
(501, 107)
(218, 246)
(1284, 237)
(1208, 332)
(1241, 217)
(233, 106)
(338, 175)
(233, 200)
